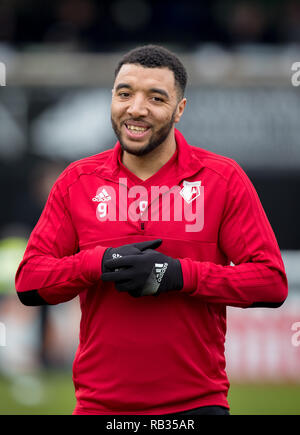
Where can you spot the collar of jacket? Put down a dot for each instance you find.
(188, 161)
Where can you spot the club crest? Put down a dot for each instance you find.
(190, 190)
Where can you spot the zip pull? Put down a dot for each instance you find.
(142, 207)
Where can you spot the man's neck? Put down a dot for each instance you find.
(146, 166)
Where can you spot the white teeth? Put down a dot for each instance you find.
(134, 127)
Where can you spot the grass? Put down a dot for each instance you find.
(53, 394)
(47, 394)
(265, 399)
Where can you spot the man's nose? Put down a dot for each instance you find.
(137, 107)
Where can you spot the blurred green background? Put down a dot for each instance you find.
(53, 394)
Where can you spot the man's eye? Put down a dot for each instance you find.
(124, 94)
(157, 99)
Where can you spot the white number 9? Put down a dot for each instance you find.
(102, 209)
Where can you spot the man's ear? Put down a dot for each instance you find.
(180, 109)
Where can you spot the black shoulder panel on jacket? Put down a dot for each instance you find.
(31, 298)
(266, 304)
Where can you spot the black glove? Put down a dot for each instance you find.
(147, 273)
(131, 249)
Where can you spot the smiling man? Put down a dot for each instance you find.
(146, 104)
(153, 290)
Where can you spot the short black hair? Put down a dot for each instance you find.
(155, 56)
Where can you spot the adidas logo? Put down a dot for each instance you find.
(114, 256)
(154, 279)
(160, 269)
(103, 196)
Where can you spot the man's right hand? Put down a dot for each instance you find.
(131, 249)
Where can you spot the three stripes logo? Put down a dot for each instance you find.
(160, 269)
(154, 279)
(103, 196)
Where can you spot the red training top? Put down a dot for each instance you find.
(165, 354)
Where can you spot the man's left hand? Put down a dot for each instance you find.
(149, 273)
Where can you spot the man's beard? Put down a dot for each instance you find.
(157, 139)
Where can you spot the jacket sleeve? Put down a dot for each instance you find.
(52, 269)
(257, 276)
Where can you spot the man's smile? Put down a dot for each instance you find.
(136, 129)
